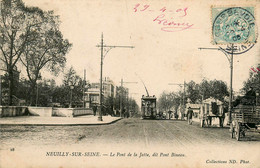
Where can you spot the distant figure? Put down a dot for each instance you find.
(248, 99)
(189, 115)
(124, 113)
(117, 113)
(176, 116)
(94, 110)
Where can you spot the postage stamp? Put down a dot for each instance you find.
(235, 25)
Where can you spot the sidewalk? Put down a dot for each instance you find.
(215, 122)
(57, 121)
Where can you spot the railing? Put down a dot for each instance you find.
(247, 114)
(82, 111)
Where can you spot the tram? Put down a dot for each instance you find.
(148, 107)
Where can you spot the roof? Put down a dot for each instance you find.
(193, 106)
(210, 100)
(148, 98)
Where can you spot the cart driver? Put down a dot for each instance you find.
(189, 115)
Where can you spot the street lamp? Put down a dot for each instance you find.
(0, 90)
(229, 56)
(71, 88)
(37, 91)
(106, 49)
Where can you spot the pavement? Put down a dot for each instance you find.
(215, 121)
(56, 121)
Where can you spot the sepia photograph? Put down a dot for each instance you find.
(129, 84)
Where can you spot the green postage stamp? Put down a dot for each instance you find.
(234, 25)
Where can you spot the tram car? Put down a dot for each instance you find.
(148, 107)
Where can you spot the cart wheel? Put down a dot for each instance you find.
(232, 130)
(202, 123)
(237, 131)
(243, 133)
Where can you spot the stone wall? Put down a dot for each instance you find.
(40, 111)
(71, 112)
(12, 111)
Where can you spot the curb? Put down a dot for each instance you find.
(90, 124)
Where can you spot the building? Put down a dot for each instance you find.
(92, 93)
(4, 88)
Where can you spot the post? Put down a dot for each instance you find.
(71, 88)
(183, 99)
(121, 98)
(37, 93)
(184, 93)
(0, 90)
(256, 96)
(230, 92)
(101, 76)
(84, 85)
(102, 46)
(127, 100)
(70, 98)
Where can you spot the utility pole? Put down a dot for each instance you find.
(121, 97)
(0, 90)
(183, 97)
(107, 49)
(131, 99)
(230, 60)
(84, 85)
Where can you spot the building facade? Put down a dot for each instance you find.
(92, 93)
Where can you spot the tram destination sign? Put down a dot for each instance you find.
(233, 25)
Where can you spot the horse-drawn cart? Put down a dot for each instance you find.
(211, 108)
(244, 118)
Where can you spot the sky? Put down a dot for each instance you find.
(160, 55)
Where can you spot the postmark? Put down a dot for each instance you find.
(237, 48)
(234, 25)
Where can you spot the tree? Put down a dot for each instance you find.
(214, 88)
(250, 88)
(17, 27)
(47, 50)
(165, 101)
(192, 91)
(252, 82)
(70, 79)
(206, 89)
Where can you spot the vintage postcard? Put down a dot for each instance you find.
(129, 84)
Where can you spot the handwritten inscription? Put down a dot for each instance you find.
(255, 70)
(171, 26)
(168, 19)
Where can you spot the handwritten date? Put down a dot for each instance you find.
(168, 23)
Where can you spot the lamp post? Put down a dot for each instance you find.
(104, 50)
(71, 88)
(0, 90)
(229, 56)
(256, 96)
(37, 92)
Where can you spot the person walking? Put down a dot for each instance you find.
(189, 115)
(94, 110)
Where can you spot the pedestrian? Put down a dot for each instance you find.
(94, 110)
(124, 113)
(189, 115)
